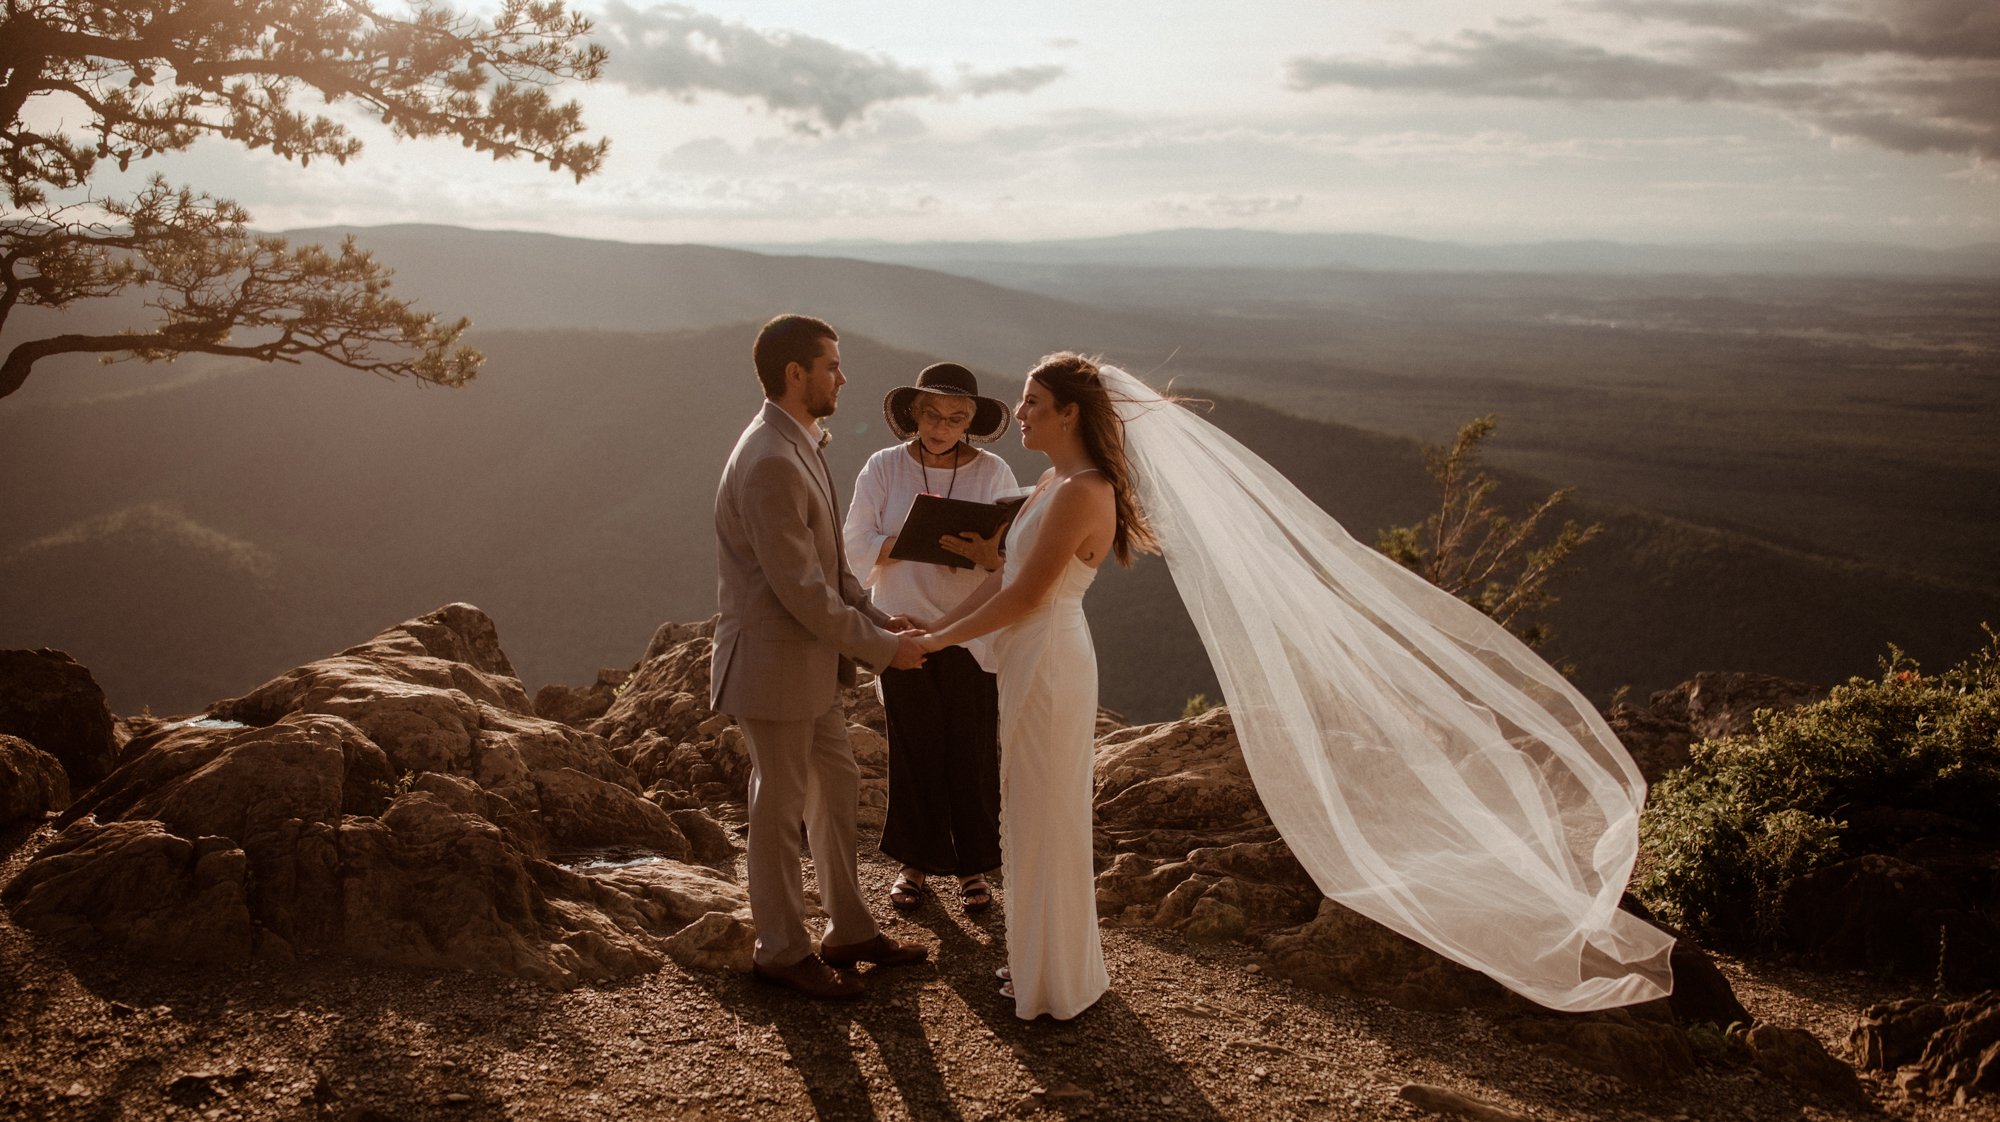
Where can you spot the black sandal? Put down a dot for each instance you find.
(976, 893)
(906, 894)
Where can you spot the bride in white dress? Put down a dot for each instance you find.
(1080, 512)
(1428, 769)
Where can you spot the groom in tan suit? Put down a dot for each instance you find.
(792, 619)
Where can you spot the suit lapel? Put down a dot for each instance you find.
(814, 464)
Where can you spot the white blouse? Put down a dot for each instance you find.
(888, 484)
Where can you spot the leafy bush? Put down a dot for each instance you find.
(1720, 1046)
(1722, 835)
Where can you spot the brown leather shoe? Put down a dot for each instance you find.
(812, 977)
(880, 950)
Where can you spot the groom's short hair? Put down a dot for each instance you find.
(783, 341)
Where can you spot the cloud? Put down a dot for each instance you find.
(1020, 79)
(674, 49)
(1228, 206)
(1482, 64)
(1907, 75)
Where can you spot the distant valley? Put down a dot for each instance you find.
(1263, 249)
(1782, 501)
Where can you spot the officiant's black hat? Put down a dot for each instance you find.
(990, 417)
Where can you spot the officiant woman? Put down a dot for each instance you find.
(943, 718)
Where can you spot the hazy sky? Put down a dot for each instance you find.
(1650, 120)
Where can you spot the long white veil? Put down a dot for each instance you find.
(1427, 768)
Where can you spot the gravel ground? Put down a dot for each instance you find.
(1184, 1034)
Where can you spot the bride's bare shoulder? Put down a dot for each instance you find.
(1086, 490)
(1089, 482)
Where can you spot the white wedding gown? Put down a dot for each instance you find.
(1048, 716)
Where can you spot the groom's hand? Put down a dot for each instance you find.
(909, 652)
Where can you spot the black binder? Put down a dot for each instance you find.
(933, 517)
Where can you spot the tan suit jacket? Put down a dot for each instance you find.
(790, 609)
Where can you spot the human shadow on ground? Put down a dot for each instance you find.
(1105, 1063)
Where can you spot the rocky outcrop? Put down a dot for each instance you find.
(32, 783)
(1640, 1045)
(666, 693)
(1185, 842)
(689, 755)
(1344, 952)
(1709, 705)
(49, 700)
(578, 706)
(437, 695)
(1702, 995)
(1883, 913)
(1936, 1049)
(1797, 1057)
(396, 803)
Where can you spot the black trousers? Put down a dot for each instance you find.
(944, 765)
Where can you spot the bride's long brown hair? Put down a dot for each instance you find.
(1072, 380)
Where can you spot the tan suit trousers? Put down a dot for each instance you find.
(803, 770)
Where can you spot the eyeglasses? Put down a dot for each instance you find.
(934, 417)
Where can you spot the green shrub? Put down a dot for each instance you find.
(1196, 706)
(1719, 1046)
(1722, 835)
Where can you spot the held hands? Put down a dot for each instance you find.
(983, 552)
(909, 652)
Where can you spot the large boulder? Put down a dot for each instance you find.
(1702, 994)
(1160, 783)
(1948, 1050)
(32, 783)
(1797, 1057)
(685, 753)
(49, 700)
(578, 706)
(1185, 842)
(438, 696)
(1341, 951)
(395, 803)
(1706, 706)
(666, 694)
(1641, 1045)
(1883, 913)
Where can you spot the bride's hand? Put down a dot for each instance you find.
(901, 622)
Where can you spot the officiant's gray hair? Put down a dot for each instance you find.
(1072, 380)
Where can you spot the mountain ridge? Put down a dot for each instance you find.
(1236, 247)
(567, 493)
